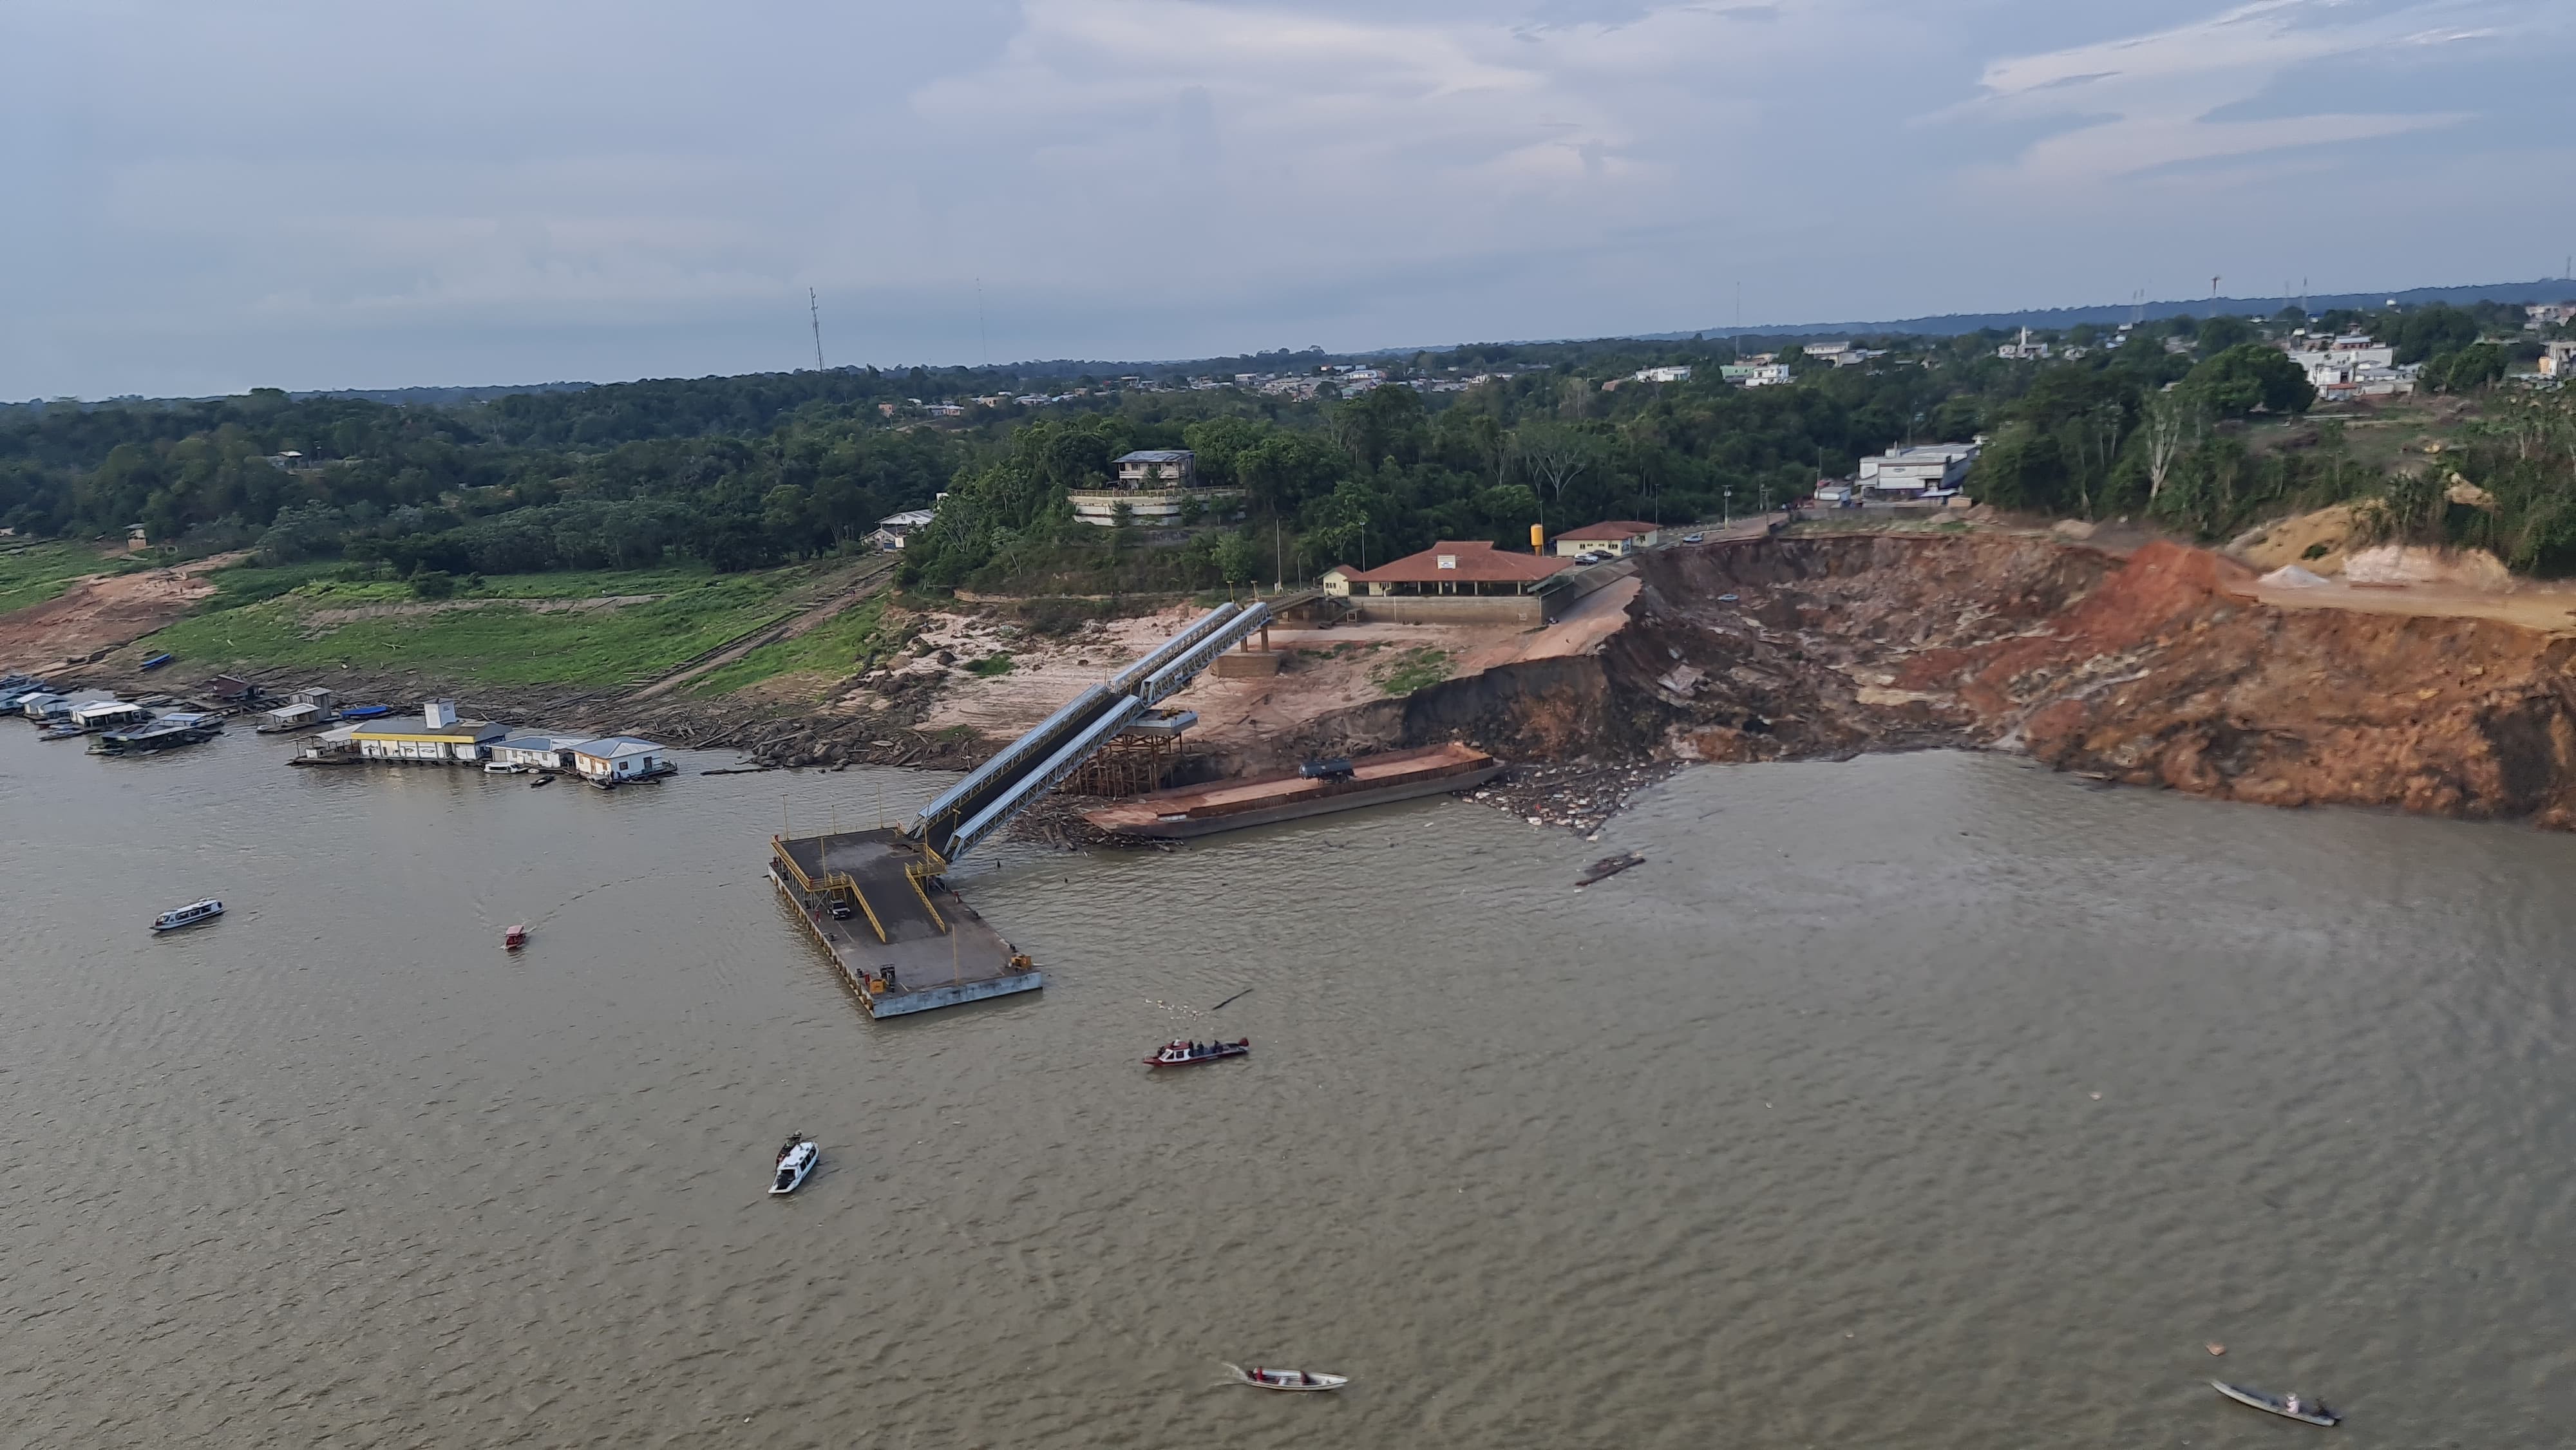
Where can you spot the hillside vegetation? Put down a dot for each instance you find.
(2189, 423)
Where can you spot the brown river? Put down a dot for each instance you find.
(1925, 1101)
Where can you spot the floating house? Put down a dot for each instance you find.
(616, 759)
(291, 717)
(437, 736)
(108, 714)
(171, 730)
(540, 752)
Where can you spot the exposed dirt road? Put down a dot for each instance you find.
(102, 612)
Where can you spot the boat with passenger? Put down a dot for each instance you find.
(2288, 1407)
(1177, 1053)
(515, 938)
(796, 1162)
(188, 915)
(1288, 1379)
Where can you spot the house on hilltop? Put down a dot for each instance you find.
(1159, 488)
(1612, 536)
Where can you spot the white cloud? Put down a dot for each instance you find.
(2141, 102)
(360, 196)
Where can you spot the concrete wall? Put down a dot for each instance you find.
(1452, 608)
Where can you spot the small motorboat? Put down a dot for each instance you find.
(503, 767)
(1177, 1053)
(63, 730)
(188, 915)
(796, 1161)
(515, 938)
(1288, 1379)
(157, 661)
(2289, 1407)
(541, 780)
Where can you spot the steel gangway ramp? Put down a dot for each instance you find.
(1002, 787)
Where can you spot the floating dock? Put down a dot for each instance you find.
(1230, 805)
(907, 943)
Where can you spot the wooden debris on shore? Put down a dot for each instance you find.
(1609, 866)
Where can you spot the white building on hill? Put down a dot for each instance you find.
(1922, 471)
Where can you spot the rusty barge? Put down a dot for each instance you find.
(1231, 805)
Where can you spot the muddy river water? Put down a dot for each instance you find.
(1928, 1100)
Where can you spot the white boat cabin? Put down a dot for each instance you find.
(619, 757)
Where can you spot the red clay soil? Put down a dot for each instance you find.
(101, 612)
(2213, 693)
(2161, 668)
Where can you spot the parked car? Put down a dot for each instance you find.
(1336, 768)
(1694, 538)
(1590, 556)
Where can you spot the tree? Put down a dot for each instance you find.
(2223, 332)
(1237, 559)
(2174, 424)
(1553, 455)
(2234, 383)
(2022, 469)
(2473, 366)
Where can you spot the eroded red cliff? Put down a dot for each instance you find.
(2158, 668)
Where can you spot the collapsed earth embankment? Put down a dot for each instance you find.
(2163, 668)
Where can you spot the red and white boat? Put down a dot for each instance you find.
(1177, 1053)
(1287, 1379)
(515, 938)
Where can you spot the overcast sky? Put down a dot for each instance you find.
(205, 198)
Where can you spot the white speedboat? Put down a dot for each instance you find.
(795, 1163)
(1288, 1379)
(188, 915)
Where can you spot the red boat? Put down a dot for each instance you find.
(1190, 1054)
(515, 938)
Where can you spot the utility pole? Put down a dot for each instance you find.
(814, 310)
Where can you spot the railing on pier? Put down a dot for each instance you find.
(1028, 767)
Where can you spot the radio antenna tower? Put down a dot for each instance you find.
(814, 309)
(983, 339)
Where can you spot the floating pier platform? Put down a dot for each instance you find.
(907, 943)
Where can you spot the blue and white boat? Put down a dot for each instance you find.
(188, 915)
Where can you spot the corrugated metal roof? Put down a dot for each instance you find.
(1611, 529)
(609, 747)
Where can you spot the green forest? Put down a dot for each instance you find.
(2192, 424)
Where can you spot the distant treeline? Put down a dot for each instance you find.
(743, 472)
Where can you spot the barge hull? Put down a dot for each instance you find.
(1231, 805)
(1319, 806)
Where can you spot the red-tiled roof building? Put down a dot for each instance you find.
(1452, 566)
